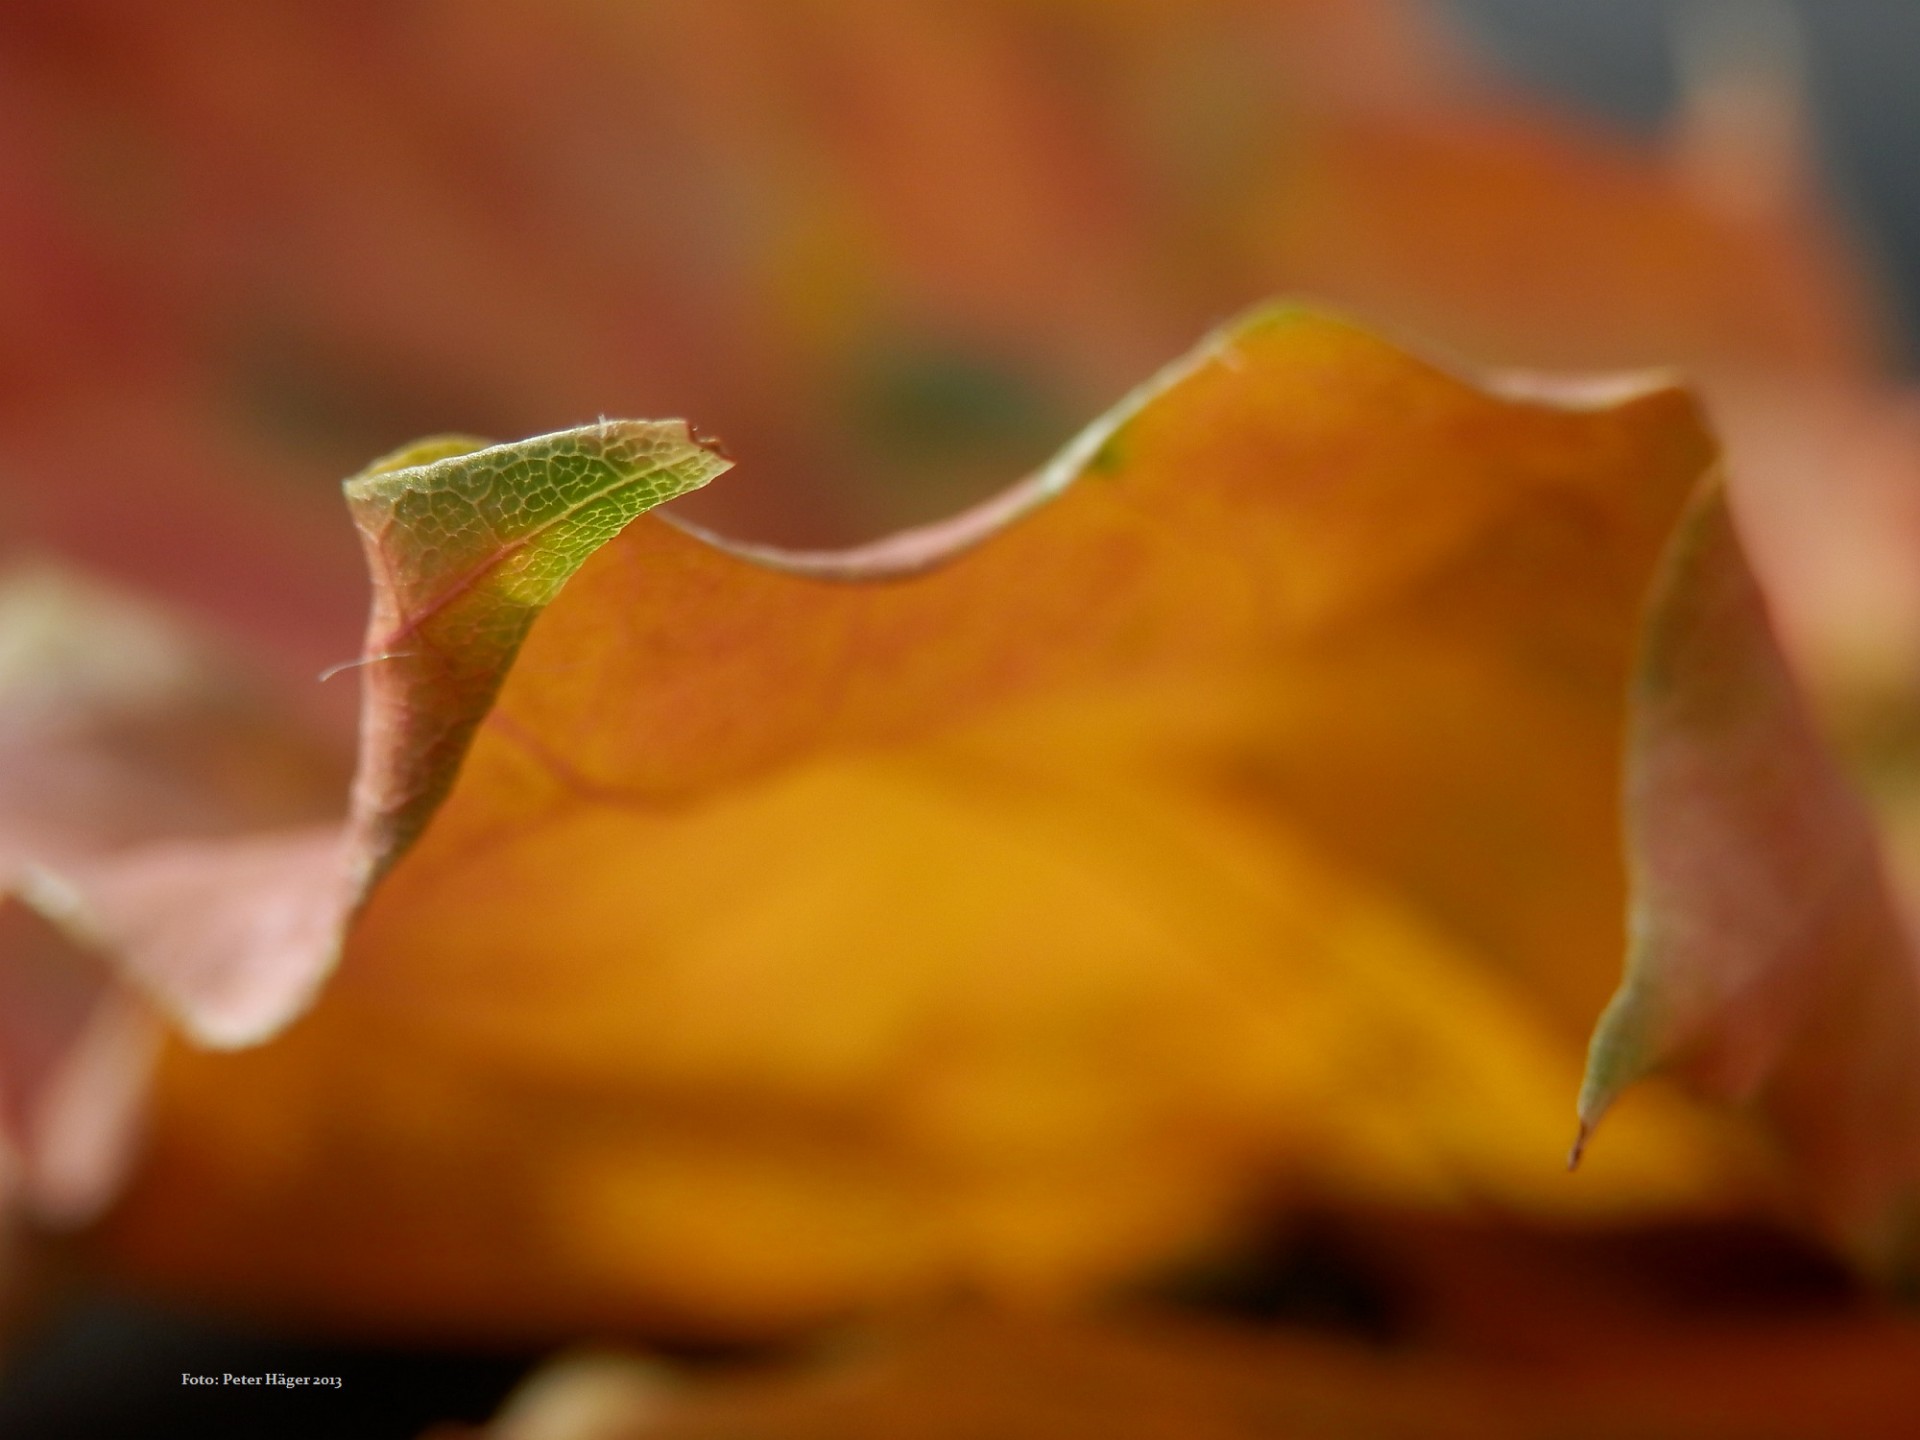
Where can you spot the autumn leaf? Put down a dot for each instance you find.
(1558, 246)
(1122, 883)
(1228, 807)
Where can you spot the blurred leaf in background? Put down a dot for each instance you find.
(253, 245)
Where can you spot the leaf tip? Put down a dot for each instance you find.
(1577, 1150)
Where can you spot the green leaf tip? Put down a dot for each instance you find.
(518, 519)
(467, 543)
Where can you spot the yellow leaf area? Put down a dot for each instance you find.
(1238, 821)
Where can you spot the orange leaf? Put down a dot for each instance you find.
(1231, 805)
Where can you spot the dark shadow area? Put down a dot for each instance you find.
(1310, 1276)
(105, 1367)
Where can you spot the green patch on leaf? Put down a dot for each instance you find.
(467, 544)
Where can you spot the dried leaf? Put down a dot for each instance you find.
(1229, 806)
(876, 212)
